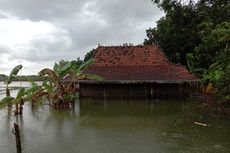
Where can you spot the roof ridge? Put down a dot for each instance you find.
(126, 45)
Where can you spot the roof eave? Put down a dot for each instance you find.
(136, 81)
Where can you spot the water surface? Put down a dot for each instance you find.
(117, 126)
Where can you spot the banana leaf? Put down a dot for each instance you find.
(67, 97)
(5, 101)
(13, 73)
(75, 68)
(36, 94)
(86, 64)
(10, 100)
(21, 93)
(50, 73)
(66, 69)
(47, 87)
(34, 87)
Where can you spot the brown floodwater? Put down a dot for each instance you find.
(117, 126)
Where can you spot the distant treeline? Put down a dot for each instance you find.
(3, 77)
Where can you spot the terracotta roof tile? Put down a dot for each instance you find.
(150, 72)
(129, 55)
(136, 63)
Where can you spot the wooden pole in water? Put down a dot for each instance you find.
(16, 132)
(105, 96)
(146, 95)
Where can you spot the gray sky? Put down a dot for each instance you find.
(36, 33)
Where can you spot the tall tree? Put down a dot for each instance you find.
(176, 33)
(209, 49)
(179, 32)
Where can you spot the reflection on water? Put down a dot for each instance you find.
(119, 126)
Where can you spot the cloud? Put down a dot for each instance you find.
(37, 33)
(24, 39)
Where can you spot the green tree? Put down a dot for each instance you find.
(180, 31)
(176, 33)
(209, 49)
(196, 35)
(218, 73)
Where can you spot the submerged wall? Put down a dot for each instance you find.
(150, 90)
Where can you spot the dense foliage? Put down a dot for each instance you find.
(190, 34)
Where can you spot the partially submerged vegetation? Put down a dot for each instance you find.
(8, 100)
(58, 89)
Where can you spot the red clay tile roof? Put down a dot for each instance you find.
(136, 63)
(129, 56)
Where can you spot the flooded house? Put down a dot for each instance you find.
(136, 71)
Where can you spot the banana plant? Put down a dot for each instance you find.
(34, 93)
(8, 100)
(10, 78)
(62, 93)
(18, 101)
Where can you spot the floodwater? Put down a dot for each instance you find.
(117, 126)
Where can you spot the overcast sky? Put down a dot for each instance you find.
(36, 33)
